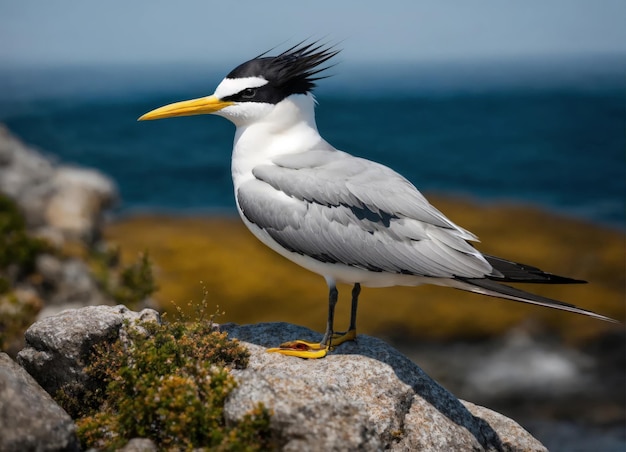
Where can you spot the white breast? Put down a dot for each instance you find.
(288, 129)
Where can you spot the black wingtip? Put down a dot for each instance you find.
(509, 271)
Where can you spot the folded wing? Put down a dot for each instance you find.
(338, 208)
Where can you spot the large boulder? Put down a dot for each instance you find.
(29, 419)
(59, 347)
(363, 396)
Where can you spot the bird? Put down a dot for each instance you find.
(348, 219)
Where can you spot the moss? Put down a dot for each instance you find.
(168, 383)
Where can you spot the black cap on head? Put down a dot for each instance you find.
(291, 72)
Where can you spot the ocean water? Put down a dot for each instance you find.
(545, 133)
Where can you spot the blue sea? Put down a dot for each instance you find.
(550, 133)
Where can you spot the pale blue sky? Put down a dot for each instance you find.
(108, 31)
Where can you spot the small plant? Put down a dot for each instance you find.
(136, 282)
(169, 383)
(127, 285)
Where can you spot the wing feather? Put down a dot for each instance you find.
(342, 209)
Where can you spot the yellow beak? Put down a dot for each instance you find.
(200, 106)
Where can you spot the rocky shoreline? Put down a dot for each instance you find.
(67, 207)
(61, 203)
(365, 396)
(52, 255)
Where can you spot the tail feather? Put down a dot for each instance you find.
(509, 271)
(494, 289)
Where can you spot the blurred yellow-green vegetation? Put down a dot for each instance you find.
(18, 252)
(251, 283)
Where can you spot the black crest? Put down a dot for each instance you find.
(294, 71)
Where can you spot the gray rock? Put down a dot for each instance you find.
(78, 199)
(73, 284)
(64, 205)
(50, 267)
(509, 431)
(58, 347)
(139, 445)
(75, 274)
(70, 200)
(70, 282)
(25, 175)
(29, 419)
(363, 396)
(52, 235)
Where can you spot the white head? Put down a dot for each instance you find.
(252, 90)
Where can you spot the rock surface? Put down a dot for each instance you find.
(363, 396)
(70, 284)
(139, 445)
(66, 203)
(78, 199)
(65, 206)
(58, 347)
(29, 419)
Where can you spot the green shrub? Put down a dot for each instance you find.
(169, 383)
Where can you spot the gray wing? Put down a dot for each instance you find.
(342, 209)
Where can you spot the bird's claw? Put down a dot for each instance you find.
(340, 338)
(312, 350)
(301, 349)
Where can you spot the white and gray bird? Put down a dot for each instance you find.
(346, 218)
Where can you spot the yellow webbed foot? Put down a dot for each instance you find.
(312, 350)
(301, 349)
(340, 338)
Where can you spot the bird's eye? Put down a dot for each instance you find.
(248, 93)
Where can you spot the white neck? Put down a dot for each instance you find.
(288, 129)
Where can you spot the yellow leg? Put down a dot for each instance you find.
(315, 350)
